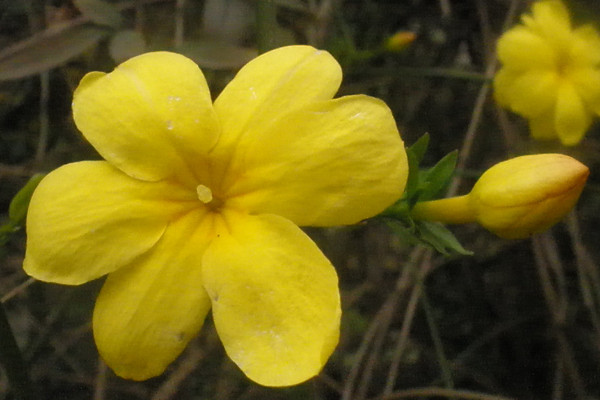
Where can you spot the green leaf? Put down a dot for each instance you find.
(421, 184)
(17, 211)
(415, 155)
(412, 183)
(430, 234)
(406, 233)
(419, 148)
(437, 178)
(100, 12)
(48, 49)
(441, 238)
(424, 185)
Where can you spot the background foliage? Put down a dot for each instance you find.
(518, 319)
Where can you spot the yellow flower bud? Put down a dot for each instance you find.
(399, 41)
(528, 194)
(515, 198)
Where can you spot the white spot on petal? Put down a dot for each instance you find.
(170, 125)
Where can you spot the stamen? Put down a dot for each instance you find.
(204, 194)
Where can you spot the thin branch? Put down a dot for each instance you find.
(100, 386)
(587, 272)
(409, 315)
(441, 392)
(437, 340)
(17, 290)
(465, 151)
(186, 366)
(44, 118)
(179, 23)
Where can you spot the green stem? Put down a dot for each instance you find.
(453, 210)
(12, 361)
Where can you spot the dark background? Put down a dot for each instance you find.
(519, 319)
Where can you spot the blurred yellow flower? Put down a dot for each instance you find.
(515, 198)
(550, 73)
(197, 207)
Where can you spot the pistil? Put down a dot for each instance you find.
(205, 195)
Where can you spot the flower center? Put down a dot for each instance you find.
(205, 195)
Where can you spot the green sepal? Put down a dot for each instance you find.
(421, 184)
(419, 148)
(435, 179)
(415, 155)
(431, 234)
(17, 211)
(424, 185)
(440, 238)
(406, 232)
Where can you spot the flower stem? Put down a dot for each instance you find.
(12, 361)
(453, 210)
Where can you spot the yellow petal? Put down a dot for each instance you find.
(87, 219)
(520, 48)
(587, 84)
(147, 313)
(331, 163)
(551, 12)
(149, 116)
(585, 47)
(502, 83)
(550, 18)
(529, 93)
(543, 127)
(278, 81)
(572, 119)
(522, 222)
(275, 299)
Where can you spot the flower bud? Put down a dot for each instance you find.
(515, 198)
(527, 194)
(399, 41)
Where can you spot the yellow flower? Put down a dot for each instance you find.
(197, 207)
(550, 73)
(515, 198)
